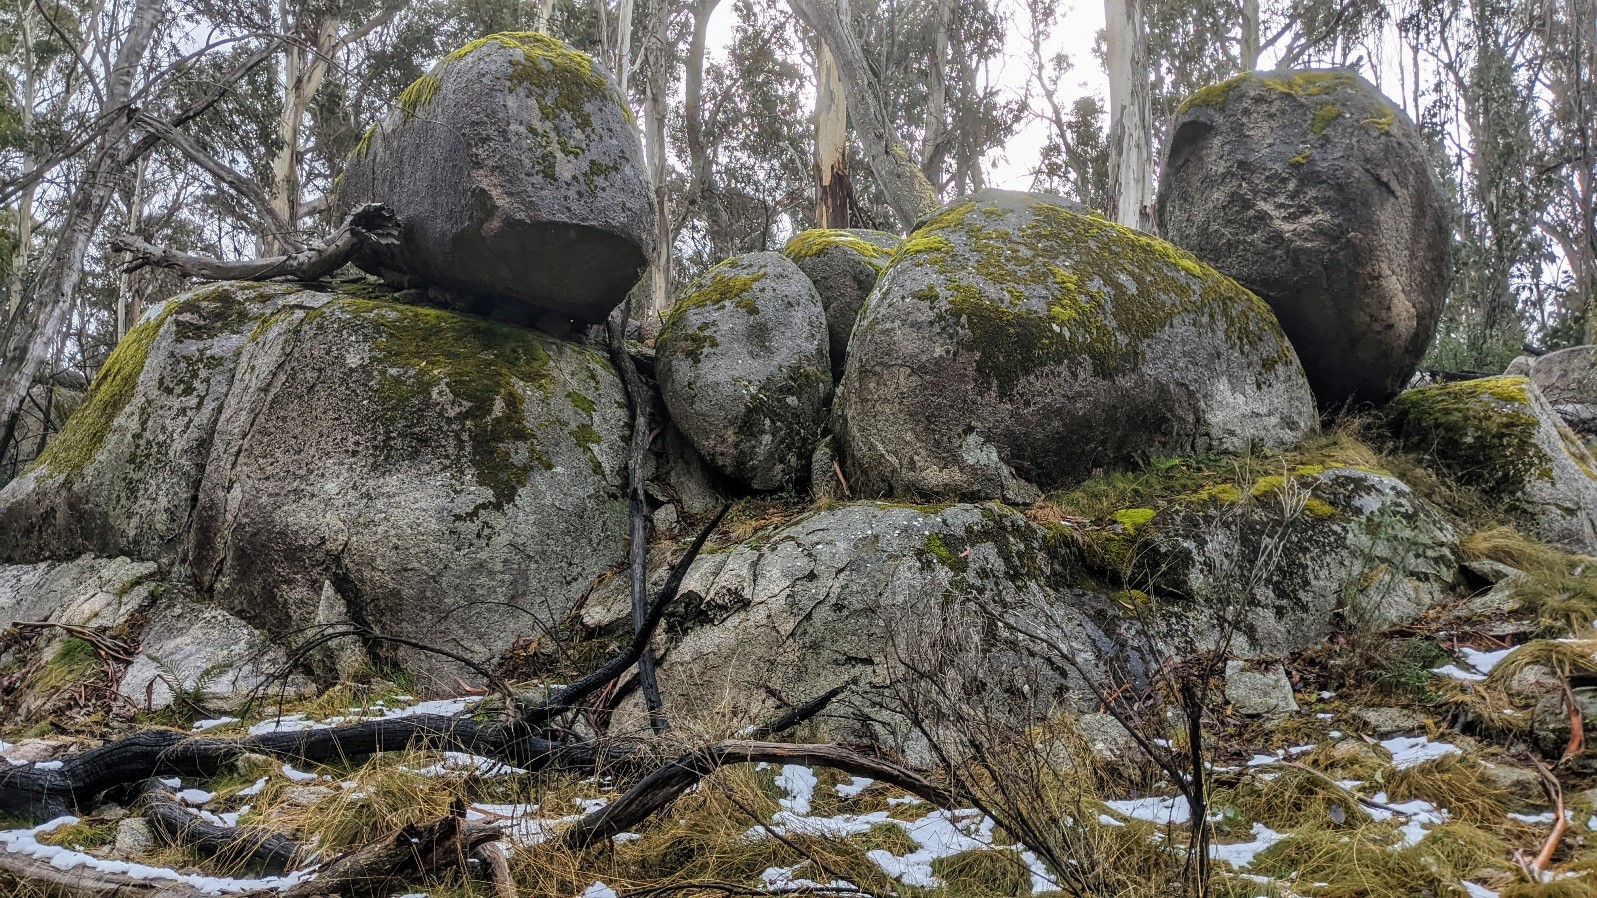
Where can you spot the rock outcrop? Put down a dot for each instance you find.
(516, 173)
(1286, 559)
(1568, 380)
(744, 371)
(844, 266)
(1499, 436)
(1315, 192)
(1013, 345)
(312, 458)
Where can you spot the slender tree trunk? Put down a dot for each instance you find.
(546, 11)
(624, 46)
(702, 193)
(831, 143)
(30, 95)
(932, 151)
(126, 304)
(1130, 114)
(32, 333)
(1250, 35)
(304, 69)
(908, 191)
(654, 116)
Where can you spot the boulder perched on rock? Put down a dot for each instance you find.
(1287, 558)
(843, 265)
(1315, 192)
(1499, 435)
(744, 371)
(1013, 345)
(515, 169)
(315, 458)
(1568, 380)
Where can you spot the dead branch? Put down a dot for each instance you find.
(1555, 794)
(372, 225)
(637, 512)
(665, 784)
(181, 826)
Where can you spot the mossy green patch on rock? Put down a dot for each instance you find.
(413, 99)
(481, 374)
(1323, 117)
(1481, 432)
(1211, 95)
(1108, 290)
(721, 285)
(815, 240)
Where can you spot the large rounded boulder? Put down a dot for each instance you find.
(337, 460)
(1013, 345)
(515, 169)
(1315, 192)
(744, 371)
(844, 266)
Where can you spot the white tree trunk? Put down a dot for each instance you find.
(624, 47)
(654, 121)
(1250, 35)
(931, 154)
(908, 191)
(831, 143)
(30, 96)
(32, 333)
(1130, 114)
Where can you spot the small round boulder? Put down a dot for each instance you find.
(744, 369)
(1315, 192)
(843, 265)
(515, 170)
(1013, 345)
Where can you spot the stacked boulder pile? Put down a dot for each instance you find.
(436, 459)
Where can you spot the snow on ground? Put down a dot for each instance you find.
(25, 841)
(1158, 810)
(798, 782)
(1240, 854)
(296, 722)
(1477, 664)
(1408, 751)
(459, 763)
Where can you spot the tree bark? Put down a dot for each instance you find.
(33, 329)
(908, 191)
(1250, 35)
(654, 121)
(831, 143)
(932, 149)
(1130, 114)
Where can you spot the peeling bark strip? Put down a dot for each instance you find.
(372, 226)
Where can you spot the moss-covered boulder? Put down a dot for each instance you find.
(516, 171)
(850, 594)
(312, 458)
(1013, 345)
(1285, 558)
(1499, 436)
(1315, 192)
(743, 368)
(843, 265)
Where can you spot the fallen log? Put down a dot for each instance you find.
(372, 225)
(180, 825)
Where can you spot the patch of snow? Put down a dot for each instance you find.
(1154, 810)
(459, 763)
(854, 786)
(619, 838)
(598, 890)
(783, 879)
(1475, 890)
(1240, 854)
(25, 841)
(201, 726)
(841, 826)
(298, 776)
(172, 782)
(47, 765)
(254, 788)
(1408, 751)
(195, 797)
(589, 805)
(798, 782)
